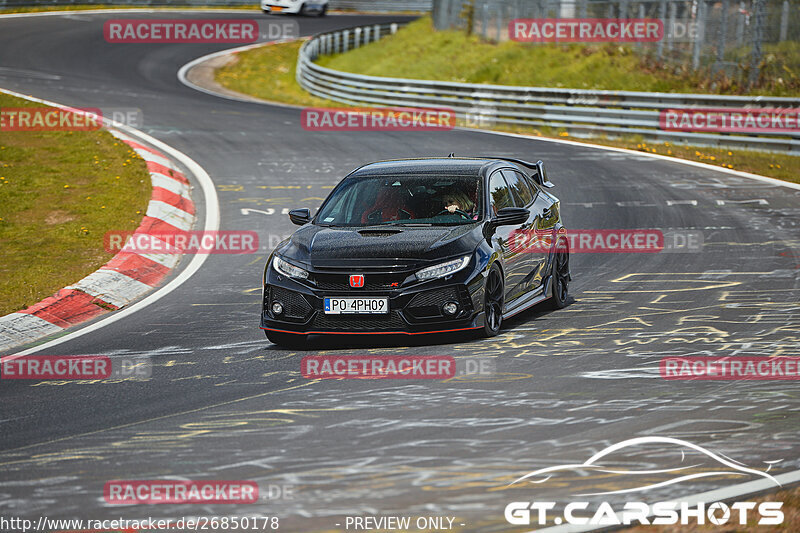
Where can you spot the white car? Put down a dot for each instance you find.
(303, 7)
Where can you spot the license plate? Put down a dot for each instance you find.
(356, 306)
(276, 8)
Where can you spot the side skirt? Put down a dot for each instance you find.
(531, 299)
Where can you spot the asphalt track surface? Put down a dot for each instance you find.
(223, 403)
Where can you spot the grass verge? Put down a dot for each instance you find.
(60, 192)
(419, 52)
(268, 72)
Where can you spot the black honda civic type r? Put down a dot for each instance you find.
(419, 246)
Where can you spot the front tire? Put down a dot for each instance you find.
(560, 282)
(285, 340)
(493, 295)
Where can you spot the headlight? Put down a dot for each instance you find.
(287, 269)
(443, 269)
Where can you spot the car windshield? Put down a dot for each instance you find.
(405, 200)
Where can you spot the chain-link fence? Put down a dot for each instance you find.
(730, 35)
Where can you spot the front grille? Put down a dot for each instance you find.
(390, 322)
(341, 282)
(294, 304)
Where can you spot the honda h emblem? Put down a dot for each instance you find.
(357, 281)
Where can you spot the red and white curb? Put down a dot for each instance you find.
(128, 275)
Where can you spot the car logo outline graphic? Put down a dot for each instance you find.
(357, 281)
(593, 463)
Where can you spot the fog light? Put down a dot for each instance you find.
(450, 308)
(277, 308)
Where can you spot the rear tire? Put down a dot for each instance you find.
(286, 340)
(560, 276)
(493, 295)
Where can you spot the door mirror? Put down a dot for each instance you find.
(541, 175)
(512, 216)
(300, 216)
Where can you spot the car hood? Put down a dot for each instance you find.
(322, 246)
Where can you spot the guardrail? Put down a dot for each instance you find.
(580, 112)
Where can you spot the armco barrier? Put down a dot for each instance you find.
(575, 110)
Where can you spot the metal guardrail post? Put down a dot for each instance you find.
(723, 30)
(758, 37)
(673, 9)
(740, 24)
(485, 20)
(700, 37)
(662, 15)
(345, 40)
(784, 20)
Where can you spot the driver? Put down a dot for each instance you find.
(457, 200)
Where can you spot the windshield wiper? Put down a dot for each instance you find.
(408, 224)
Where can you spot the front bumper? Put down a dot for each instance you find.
(287, 7)
(414, 308)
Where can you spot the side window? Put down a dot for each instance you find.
(499, 194)
(533, 185)
(519, 188)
